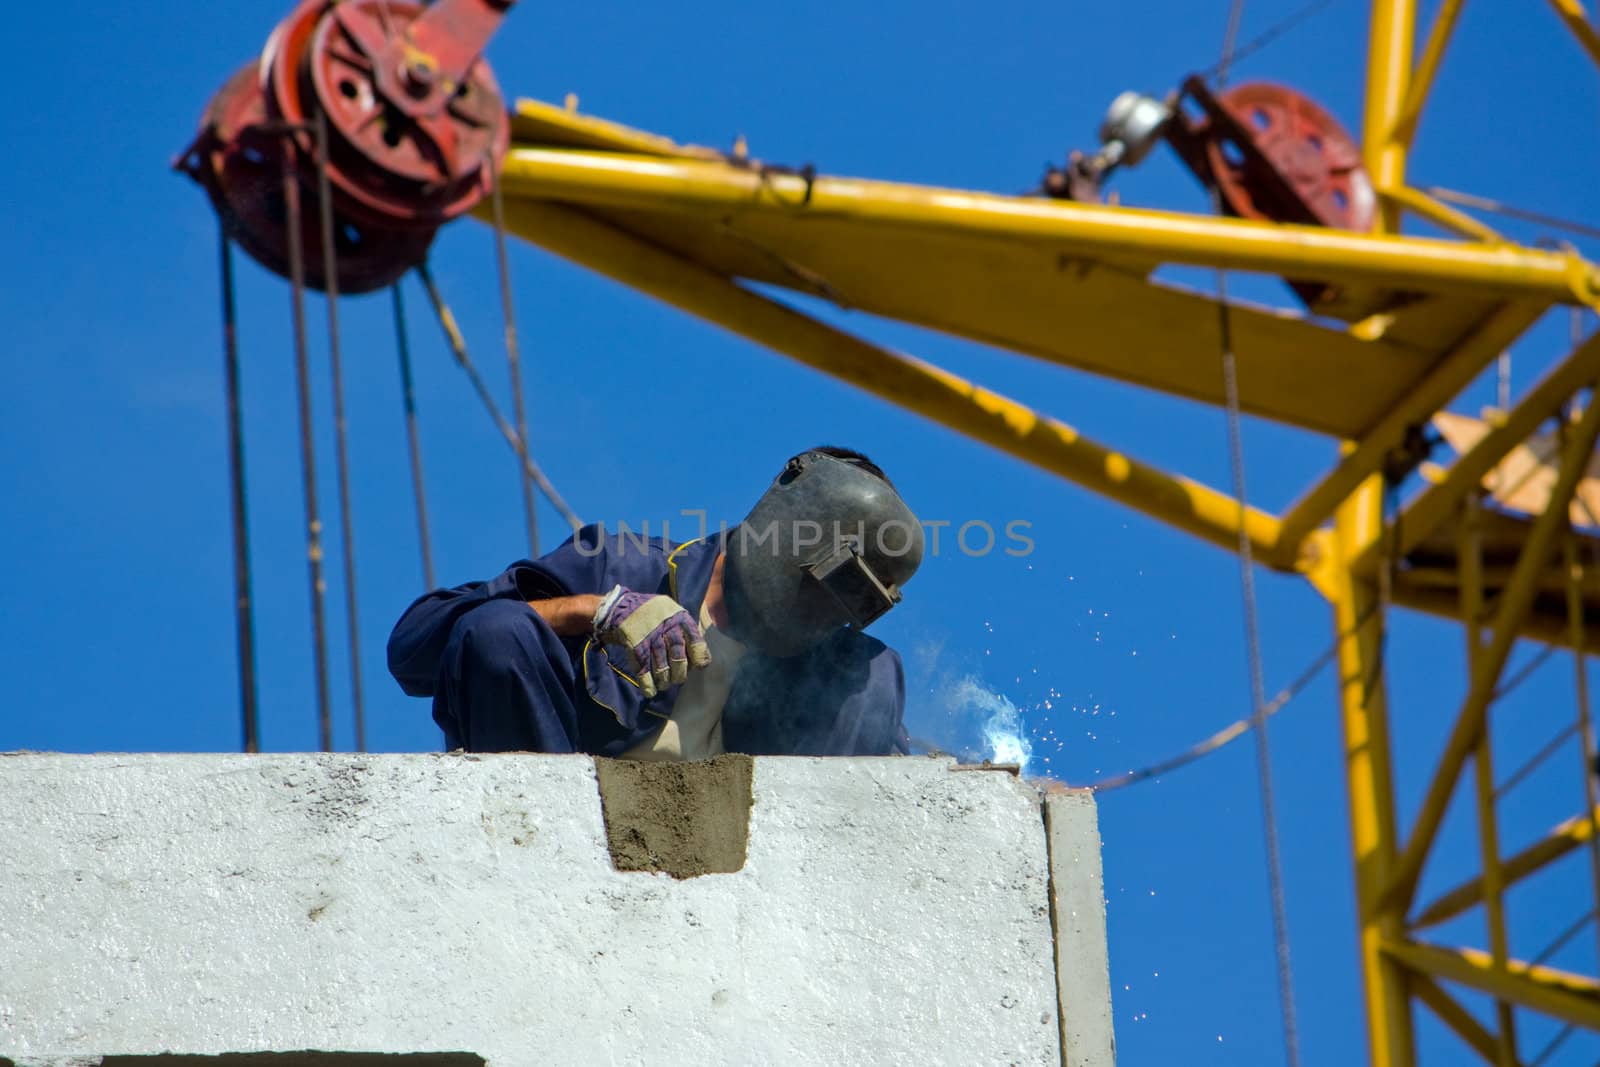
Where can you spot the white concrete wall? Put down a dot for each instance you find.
(889, 911)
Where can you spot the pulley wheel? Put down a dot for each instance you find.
(394, 165)
(1305, 145)
(239, 160)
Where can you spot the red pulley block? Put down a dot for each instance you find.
(416, 131)
(1306, 149)
(240, 162)
(414, 142)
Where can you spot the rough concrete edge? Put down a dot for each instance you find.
(1076, 890)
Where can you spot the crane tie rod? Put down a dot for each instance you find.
(458, 349)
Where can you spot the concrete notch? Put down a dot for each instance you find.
(681, 819)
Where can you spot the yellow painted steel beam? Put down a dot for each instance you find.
(1577, 20)
(1439, 213)
(1502, 326)
(1570, 997)
(1515, 602)
(1421, 83)
(1575, 572)
(1450, 1012)
(1445, 605)
(909, 383)
(1561, 841)
(1469, 560)
(1358, 618)
(654, 183)
(1433, 505)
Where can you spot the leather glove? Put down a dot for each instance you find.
(662, 638)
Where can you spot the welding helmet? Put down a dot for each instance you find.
(828, 546)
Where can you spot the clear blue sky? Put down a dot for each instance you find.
(1120, 641)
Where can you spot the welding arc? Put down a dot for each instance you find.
(458, 349)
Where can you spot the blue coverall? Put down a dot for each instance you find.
(502, 681)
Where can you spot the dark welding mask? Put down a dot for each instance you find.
(828, 546)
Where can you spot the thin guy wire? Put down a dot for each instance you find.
(308, 461)
(514, 358)
(1533, 762)
(1566, 935)
(458, 349)
(1555, 1043)
(330, 288)
(1258, 696)
(413, 438)
(1267, 37)
(244, 619)
(1524, 673)
(1497, 207)
(1280, 919)
(1238, 729)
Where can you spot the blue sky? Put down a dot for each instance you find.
(1119, 641)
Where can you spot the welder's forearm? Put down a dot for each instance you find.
(568, 616)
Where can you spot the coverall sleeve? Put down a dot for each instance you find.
(417, 642)
(874, 718)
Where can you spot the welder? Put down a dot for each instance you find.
(747, 640)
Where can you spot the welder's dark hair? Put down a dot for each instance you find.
(851, 456)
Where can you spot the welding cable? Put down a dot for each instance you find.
(458, 349)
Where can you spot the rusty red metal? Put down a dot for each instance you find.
(1306, 147)
(417, 131)
(1274, 155)
(239, 159)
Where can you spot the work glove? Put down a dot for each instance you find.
(662, 638)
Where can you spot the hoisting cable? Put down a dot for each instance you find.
(1258, 697)
(413, 440)
(244, 617)
(1496, 207)
(1265, 38)
(458, 349)
(330, 271)
(308, 461)
(514, 358)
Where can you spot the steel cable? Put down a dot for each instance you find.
(514, 358)
(458, 349)
(347, 536)
(1269, 820)
(413, 437)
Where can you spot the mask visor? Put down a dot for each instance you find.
(858, 592)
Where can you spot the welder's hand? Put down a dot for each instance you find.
(662, 638)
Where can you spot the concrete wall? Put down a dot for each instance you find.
(882, 911)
